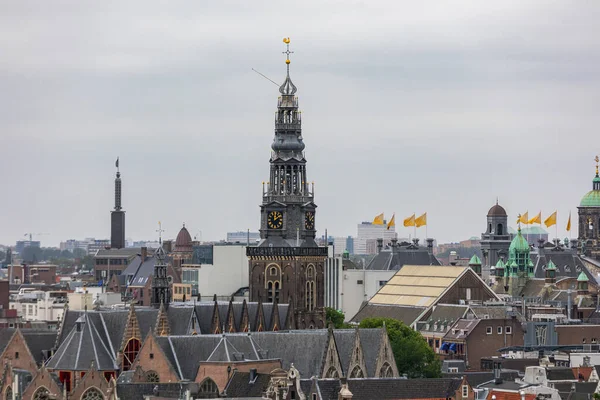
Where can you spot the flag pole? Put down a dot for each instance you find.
(415, 223)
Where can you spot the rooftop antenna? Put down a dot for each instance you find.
(266, 77)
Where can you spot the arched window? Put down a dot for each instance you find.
(489, 228)
(357, 372)
(92, 394)
(276, 288)
(310, 272)
(332, 373)
(9, 393)
(310, 299)
(41, 394)
(273, 271)
(270, 292)
(132, 348)
(152, 376)
(208, 386)
(499, 230)
(386, 371)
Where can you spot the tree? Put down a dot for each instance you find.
(31, 254)
(413, 355)
(79, 253)
(336, 318)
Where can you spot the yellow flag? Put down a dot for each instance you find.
(569, 223)
(410, 221)
(524, 218)
(422, 220)
(536, 220)
(392, 222)
(551, 220)
(378, 220)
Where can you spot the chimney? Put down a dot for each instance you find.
(144, 253)
(416, 241)
(541, 242)
(379, 245)
(430, 245)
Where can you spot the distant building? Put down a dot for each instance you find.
(21, 244)
(367, 231)
(117, 216)
(589, 219)
(94, 245)
(532, 234)
(34, 273)
(243, 237)
(343, 244)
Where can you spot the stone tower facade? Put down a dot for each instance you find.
(161, 290)
(287, 266)
(495, 241)
(117, 216)
(589, 219)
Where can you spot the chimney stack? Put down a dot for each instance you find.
(379, 245)
(144, 253)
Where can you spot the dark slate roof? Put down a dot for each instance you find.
(495, 312)
(448, 312)
(370, 341)
(180, 319)
(462, 325)
(240, 385)
(5, 335)
(119, 253)
(480, 377)
(580, 387)
(395, 257)
(568, 263)
(560, 374)
(81, 347)
(189, 351)
(405, 314)
(391, 388)
(39, 341)
(138, 272)
(138, 391)
(304, 348)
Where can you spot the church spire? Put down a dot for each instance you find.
(118, 187)
(288, 88)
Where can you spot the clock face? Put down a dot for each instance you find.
(309, 220)
(275, 220)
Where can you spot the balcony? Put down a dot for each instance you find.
(286, 251)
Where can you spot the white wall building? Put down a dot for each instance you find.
(227, 273)
(347, 289)
(37, 305)
(368, 231)
(243, 237)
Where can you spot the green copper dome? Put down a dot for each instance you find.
(582, 277)
(519, 243)
(475, 260)
(591, 199)
(500, 264)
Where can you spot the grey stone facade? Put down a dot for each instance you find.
(495, 241)
(288, 266)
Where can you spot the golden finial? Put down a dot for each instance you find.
(597, 160)
(287, 51)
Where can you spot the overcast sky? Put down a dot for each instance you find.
(407, 107)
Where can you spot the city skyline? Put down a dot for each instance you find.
(440, 122)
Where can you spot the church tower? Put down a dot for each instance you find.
(117, 216)
(589, 219)
(495, 241)
(287, 266)
(161, 291)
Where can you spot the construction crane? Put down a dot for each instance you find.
(36, 234)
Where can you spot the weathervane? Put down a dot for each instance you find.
(160, 230)
(287, 51)
(288, 87)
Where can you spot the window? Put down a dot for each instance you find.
(152, 356)
(209, 386)
(9, 393)
(152, 377)
(314, 396)
(508, 330)
(583, 340)
(465, 391)
(41, 394)
(131, 350)
(16, 355)
(382, 283)
(65, 378)
(488, 330)
(594, 340)
(92, 394)
(359, 282)
(273, 271)
(386, 371)
(453, 370)
(357, 372)
(499, 330)
(468, 294)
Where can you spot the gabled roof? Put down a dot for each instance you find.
(406, 314)
(397, 256)
(421, 285)
(370, 341)
(82, 346)
(240, 385)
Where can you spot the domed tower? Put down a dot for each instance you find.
(589, 219)
(183, 250)
(287, 266)
(496, 240)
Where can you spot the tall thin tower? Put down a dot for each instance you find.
(117, 216)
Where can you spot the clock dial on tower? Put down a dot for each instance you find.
(309, 220)
(275, 220)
